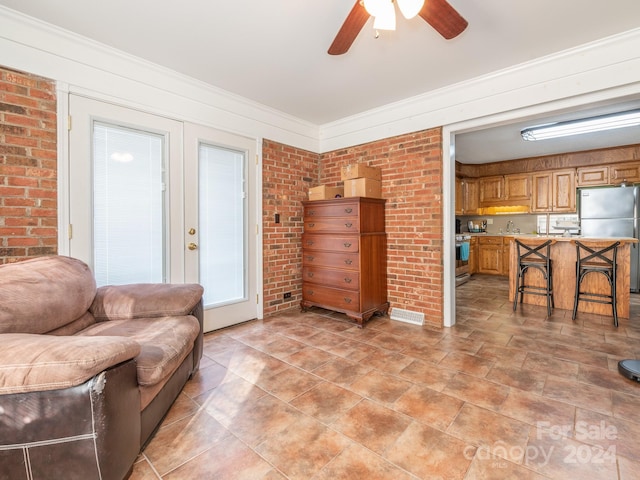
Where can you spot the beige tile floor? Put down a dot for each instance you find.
(502, 395)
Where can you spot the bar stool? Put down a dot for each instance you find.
(601, 261)
(537, 257)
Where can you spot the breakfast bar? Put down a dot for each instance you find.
(563, 258)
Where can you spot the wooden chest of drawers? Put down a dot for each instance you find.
(344, 257)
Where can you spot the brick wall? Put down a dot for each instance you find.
(28, 166)
(287, 174)
(412, 184)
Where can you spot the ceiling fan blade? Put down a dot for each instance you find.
(443, 18)
(354, 22)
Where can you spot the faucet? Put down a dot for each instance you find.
(509, 226)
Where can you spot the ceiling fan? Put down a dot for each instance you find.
(437, 13)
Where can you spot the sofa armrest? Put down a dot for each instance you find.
(31, 362)
(121, 302)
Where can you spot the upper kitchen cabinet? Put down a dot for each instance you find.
(624, 172)
(466, 196)
(613, 174)
(554, 191)
(517, 188)
(459, 197)
(471, 196)
(491, 190)
(505, 190)
(592, 176)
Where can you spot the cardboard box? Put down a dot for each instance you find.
(363, 187)
(325, 193)
(360, 170)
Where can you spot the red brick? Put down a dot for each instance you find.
(28, 163)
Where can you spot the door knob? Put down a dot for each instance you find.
(192, 246)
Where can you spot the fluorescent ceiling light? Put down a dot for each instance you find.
(585, 125)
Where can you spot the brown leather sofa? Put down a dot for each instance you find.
(87, 374)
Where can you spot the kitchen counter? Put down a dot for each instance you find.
(563, 257)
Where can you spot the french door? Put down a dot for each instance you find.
(152, 199)
(221, 225)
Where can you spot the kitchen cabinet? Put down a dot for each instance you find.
(554, 191)
(490, 255)
(613, 174)
(517, 188)
(471, 196)
(624, 172)
(473, 255)
(459, 197)
(563, 196)
(505, 190)
(344, 257)
(466, 196)
(491, 190)
(592, 176)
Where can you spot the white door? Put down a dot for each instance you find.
(220, 223)
(125, 193)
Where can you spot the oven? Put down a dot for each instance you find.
(462, 258)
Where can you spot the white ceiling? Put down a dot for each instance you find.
(274, 52)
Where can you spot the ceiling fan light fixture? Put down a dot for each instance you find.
(410, 8)
(386, 17)
(374, 7)
(600, 123)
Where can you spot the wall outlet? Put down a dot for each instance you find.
(287, 295)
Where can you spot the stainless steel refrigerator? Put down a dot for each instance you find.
(611, 212)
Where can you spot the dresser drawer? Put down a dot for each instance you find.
(331, 297)
(330, 242)
(342, 210)
(349, 261)
(332, 278)
(331, 225)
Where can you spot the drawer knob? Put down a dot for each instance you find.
(309, 242)
(309, 292)
(311, 213)
(311, 225)
(347, 280)
(348, 261)
(310, 258)
(348, 225)
(347, 244)
(348, 210)
(310, 274)
(347, 300)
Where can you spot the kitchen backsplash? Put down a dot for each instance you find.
(525, 223)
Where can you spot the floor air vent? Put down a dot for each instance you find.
(407, 316)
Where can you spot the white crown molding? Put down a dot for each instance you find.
(603, 66)
(93, 69)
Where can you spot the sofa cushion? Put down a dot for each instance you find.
(164, 342)
(44, 293)
(30, 363)
(119, 302)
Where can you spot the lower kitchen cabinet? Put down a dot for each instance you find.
(490, 255)
(493, 255)
(473, 255)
